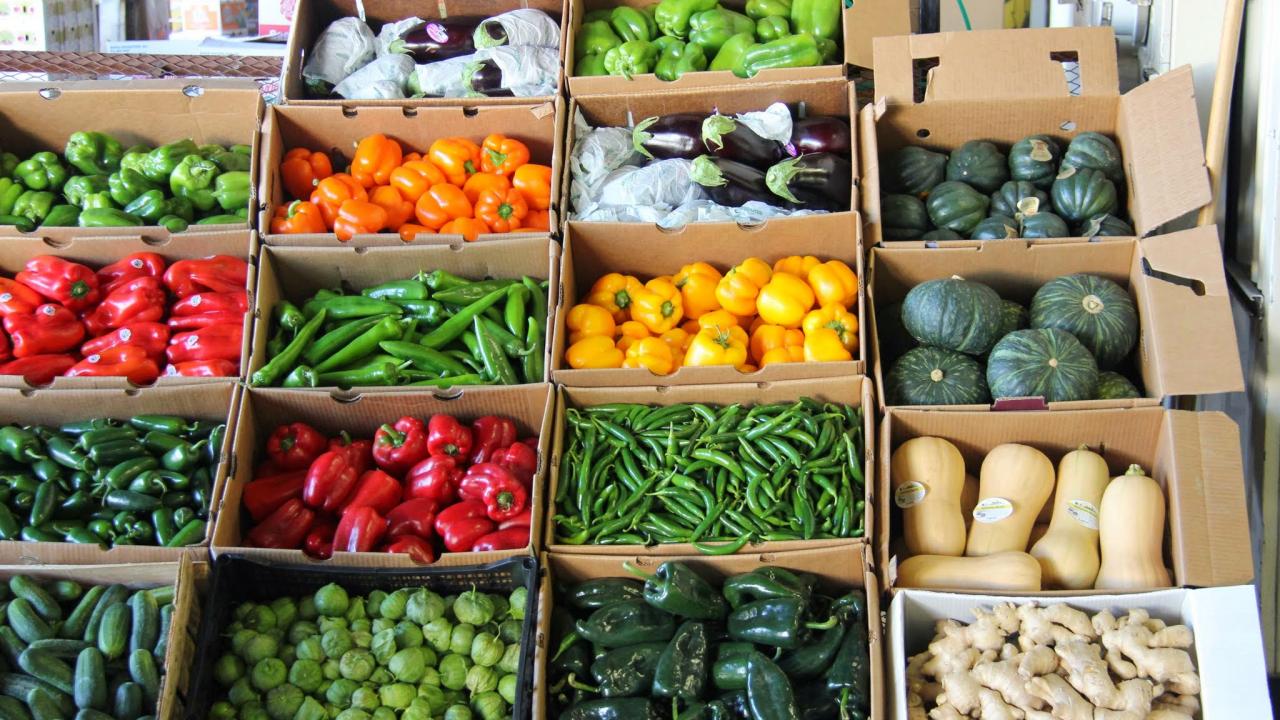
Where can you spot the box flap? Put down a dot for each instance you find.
(1232, 665)
(996, 64)
(867, 20)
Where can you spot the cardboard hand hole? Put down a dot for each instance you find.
(345, 396)
(752, 226)
(920, 70)
(470, 111)
(56, 243)
(447, 394)
(193, 91)
(349, 111)
(28, 392)
(669, 230)
(409, 112)
(1070, 60)
(157, 241)
(1196, 286)
(50, 93)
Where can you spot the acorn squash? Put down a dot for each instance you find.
(1044, 225)
(996, 227)
(953, 313)
(1018, 197)
(957, 206)
(913, 170)
(1097, 152)
(1080, 193)
(980, 164)
(1035, 159)
(1105, 225)
(942, 234)
(1042, 362)
(903, 217)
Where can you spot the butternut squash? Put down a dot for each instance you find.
(968, 498)
(1037, 531)
(1068, 553)
(928, 476)
(1131, 534)
(1013, 485)
(1005, 571)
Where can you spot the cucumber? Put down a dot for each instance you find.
(65, 590)
(26, 622)
(91, 714)
(44, 706)
(20, 687)
(114, 594)
(12, 709)
(60, 648)
(145, 623)
(79, 618)
(91, 680)
(11, 646)
(162, 640)
(142, 668)
(44, 666)
(43, 603)
(163, 595)
(113, 631)
(128, 703)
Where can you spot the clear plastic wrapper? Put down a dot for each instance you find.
(525, 70)
(394, 31)
(343, 48)
(440, 79)
(524, 26)
(382, 79)
(665, 182)
(772, 123)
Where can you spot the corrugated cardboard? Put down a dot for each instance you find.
(214, 403)
(594, 249)
(1194, 456)
(296, 273)
(41, 116)
(338, 130)
(261, 411)
(1003, 85)
(866, 20)
(100, 251)
(854, 391)
(838, 569)
(311, 17)
(1227, 652)
(1186, 340)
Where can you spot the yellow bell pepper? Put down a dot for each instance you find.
(798, 265)
(586, 320)
(650, 353)
(823, 345)
(718, 347)
(747, 368)
(594, 352)
(697, 283)
(836, 318)
(629, 333)
(790, 353)
(658, 306)
(833, 283)
(738, 289)
(691, 326)
(784, 300)
(677, 339)
(772, 337)
(718, 319)
(614, 292)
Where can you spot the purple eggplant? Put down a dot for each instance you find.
(820, 134)
(670, 136)
(730, 139)
(730, 182)
(485, 77)
(438, 40)
(823, 175)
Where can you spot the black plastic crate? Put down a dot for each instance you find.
(238, 578)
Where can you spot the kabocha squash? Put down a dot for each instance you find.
(942, 234)
(996, 227)
(1012, 317)
(953, 313)
(1097, 152)
(913, 170)
(1080, 193)
(1018, 197)
(1044, 225)
(1035, 159)
(1014, 483)
(1114, 386)
(894, 338)
(1130, 534)
(957, 206)
(1002, 572)
(968, 499)
(903, 217)
(1106, 225)
(980, 164)
(1096, 310)
(1043, 362)
(928, 481)
(936, 376)
(1068, 552)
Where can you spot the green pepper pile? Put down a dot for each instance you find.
(673, 37)
(147, 482)
(635, 474)
(410, 654)
(768, 644)
(97, 182)
(434, 329)
(99, 650)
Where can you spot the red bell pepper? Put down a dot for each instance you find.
(412, 517)
(71, 284)
(330, 480)
(490, 434)
(359, 530)
(461, 525)
(509, 539)
(531, 441)
(203, 368)
(211, 302)
(319, 542)
(6, 351)
(360, 452)
(283, 529)
(503, 495)
(295, 446)
(220, 273)
(130, 267)
(447, 436)
(139, 300)
(265, 493)
(398, 447)
(420, 551)
(150, 336)
(195, 322)
(216, 342)
(39, 369)
(377, 490)
(520, 459)
(50, 329)
(17, 298)
(524, 520)
(127, 361)
(435, 478)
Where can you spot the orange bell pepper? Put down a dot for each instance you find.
(678, 340)
(501, 212)
(458, 158)
(468, 228)
(410, 231)
(596, 351)
(697, 283)
(535, 221)
(334, 190)
(502, 155)
(534, 181)
(586, 320)
(615, 292)
(359, 217)
(482, 181)
(652, 354)
(414, 178)
(834, 283)
(399, 210)
(298, 217)
(302, 169)
(658, 306)
(412, 157)
(376, 156)
(440, 204)
(629, 333)
(772, 337)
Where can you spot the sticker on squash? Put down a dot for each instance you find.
(1083, 512)
(992, 510)
(909, 493)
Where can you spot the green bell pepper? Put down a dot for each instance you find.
(127, 184)
(150, 206)
(173, 223)
(595, 38)
(673, 16)
(757, 9)
(220, 220)
(678, 58)
(226, 160)
(108, 217)
(62, 216)
(42, 171)
(771, 28)
(828, 48)
(10, 191)
(34, 205)
(94, 153)
(675, 588)
(231, 189)
(788, 52)
(597, 15)
(160, 163)
(8, 161)
(590, 65)
(194, 179)
(98, 200)
(19, 222)
(133, 158)
(632, 24)
(713, 28)
(631, 58)
(732, 53)
(819, 18)
(80, 186)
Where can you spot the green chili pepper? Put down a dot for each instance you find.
(189, 534)
(377, 370)
(348, 307)
(302, 376)
(424, 358)
(496, 365)
(20, 444)
(458, 324)
(47, 499)
(388, 328)
(412, 289)
(268, 374)
(427, 311)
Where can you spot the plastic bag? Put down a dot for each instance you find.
(440, 79)
(382, 79)
(525, 26)
(772, 123)
(618, 213)
(665, 182)
(526, 70)
(753, 212)
(343, 48)
(596, 153)
(393, 31)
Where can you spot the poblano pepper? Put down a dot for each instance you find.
(769, 692)
(626, 623)
(597, 593)
(792, 51)
(814, 657)
(778, 622)
(819, 18)
(729, 672)
(677, 589)
(614, 709)
(595, 38)
(82, 185)
(767, 583)
(673, 16)
(127, 184)
(632, 24)
(194, 179)
(160, 163)
(42, 171)
(850, 673)
(631, 58)
(627, 670)
(682, 668)
(713, 28)
(678, 58)
(93, 153)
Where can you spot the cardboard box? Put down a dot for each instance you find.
(41, 116)
(338, 130)
(973, 92)
(311, 17)
(594, 249)
(838, 569)
(213, 403)
(1194, 456)
(261, 411)
(100, 251)
(1227, 652)
(296, 274)
(1186, 340)
(213, 18)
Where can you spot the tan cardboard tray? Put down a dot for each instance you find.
(838, 568)
(1195, 456)
(41, 116)
(1003, 85)
(214, 403)
(337, 130)
(100, 251)
(296, 273)
(1186, 340)
(261, 411)
(311, 17)
(594, 249)
(852, 390)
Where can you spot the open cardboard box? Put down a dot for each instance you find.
(337, 130)
(296, 273)
(1186, 340)
(41, 116)
(1195, 456)
(838, 569)
(852, 390)
(1227, 652)
(594, 249)
(98, 252)
(261, 411)
(1003, 85)
(214, 403)
(311, 17)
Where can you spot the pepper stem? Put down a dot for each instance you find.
(639, 137)
(637, 571)
(827, 624)
(395, 436)
(777, 177)
(573, 683)
(715, 127)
